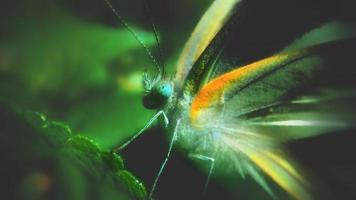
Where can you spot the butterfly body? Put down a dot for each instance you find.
(242, 115)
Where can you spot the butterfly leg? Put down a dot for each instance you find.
(211, 168)
(149, 123)
(174, 137)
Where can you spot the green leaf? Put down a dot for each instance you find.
(135, 187)
(112, 159)
(59, 164)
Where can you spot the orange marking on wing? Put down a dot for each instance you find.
(212, 93)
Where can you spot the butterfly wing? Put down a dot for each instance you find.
(255, 30)
(255, 108)
(205, 31)
(251, 110)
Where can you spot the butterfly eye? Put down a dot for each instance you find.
(165, 90)
(157, 96)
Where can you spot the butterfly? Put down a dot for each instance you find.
(237, 112)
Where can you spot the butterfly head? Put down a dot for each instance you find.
(157, 92)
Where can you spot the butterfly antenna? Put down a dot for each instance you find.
(154, 29)
(133, 33)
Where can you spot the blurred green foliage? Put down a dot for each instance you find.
(64, 59)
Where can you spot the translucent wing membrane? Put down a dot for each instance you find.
(272, 162)
(213, 20)
(254, 109)
(309, 115)
(280, 78)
